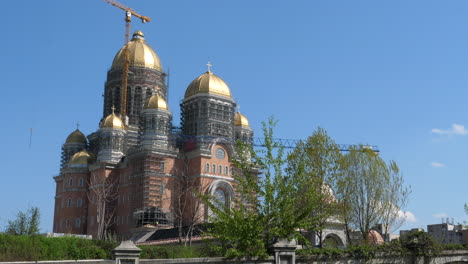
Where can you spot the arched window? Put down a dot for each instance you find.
(207, 167)
(222, 193)
(81, 182)
(67, 223)
(220, 198)
(70, 182)
(226, 170)
(213, 169)
(220, 169)
(79, 203)
(77, 222)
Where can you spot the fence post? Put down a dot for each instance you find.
(284, 251)
(126, 253)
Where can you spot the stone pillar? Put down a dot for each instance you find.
(126, 253)
(284, 251)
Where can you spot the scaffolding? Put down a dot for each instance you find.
(154, 216)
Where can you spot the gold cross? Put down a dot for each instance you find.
(113, 109)
(78, 125)
(209, 66)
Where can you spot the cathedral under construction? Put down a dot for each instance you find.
(126, 175)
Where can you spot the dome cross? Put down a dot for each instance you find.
(209, 66)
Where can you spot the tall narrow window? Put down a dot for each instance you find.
(213, 169)
(207, 167)
(81, 182)
(70, 182)
(79, 203)
(69, 203)
(226, 170)
(77, 222)
(220, 169)
(67, 223)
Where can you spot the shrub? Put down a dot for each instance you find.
(420, 244)
(34, 248)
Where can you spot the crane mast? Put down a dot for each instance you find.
(128, 19)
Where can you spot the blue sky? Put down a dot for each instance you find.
(387, 73)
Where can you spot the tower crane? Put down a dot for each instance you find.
(128, 19)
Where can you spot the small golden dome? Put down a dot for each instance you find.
(156, 102)
(113, 121)
(241, 120)
(140, 54)
(208, 83)
(76, 137)
(81, 157)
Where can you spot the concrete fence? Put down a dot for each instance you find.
(283, 253)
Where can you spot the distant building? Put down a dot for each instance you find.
(447, 233)
(404, 233)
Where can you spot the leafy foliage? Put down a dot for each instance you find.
(370, 192)
(273, 204)
(420, 243)
(314, 165)
(35, 247)
(26, 223)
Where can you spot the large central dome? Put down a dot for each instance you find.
(208, 83)
(140, 54)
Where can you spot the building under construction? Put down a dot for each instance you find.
(135, 169)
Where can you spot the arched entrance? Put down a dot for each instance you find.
(332, 241)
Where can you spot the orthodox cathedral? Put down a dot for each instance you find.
(125, 173)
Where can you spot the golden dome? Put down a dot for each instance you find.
(208, 83)
(241, 120)
(140, 54)
(76, 137)
(156, 102)
(81, 157)
(112, 121)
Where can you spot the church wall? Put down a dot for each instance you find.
(71, 203)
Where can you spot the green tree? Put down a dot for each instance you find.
(315, 164)
(270, 206)
(420, 243)
(370, 191)
(26, 223)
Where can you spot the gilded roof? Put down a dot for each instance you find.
(156, 102)
(140, 54)
(241, 120)
(76, 137)
(208, 83)
(113, 121)
(81, 157)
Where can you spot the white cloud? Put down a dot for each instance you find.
(408, 216)
(456, 129)
(436, 164)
